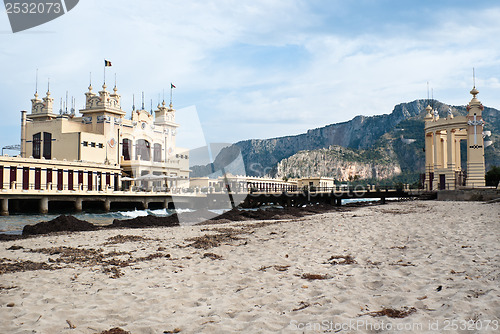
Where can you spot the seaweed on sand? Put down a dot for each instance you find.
(393, 313)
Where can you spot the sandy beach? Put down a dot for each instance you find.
(416, 266)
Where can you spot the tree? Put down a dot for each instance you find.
(493, 176)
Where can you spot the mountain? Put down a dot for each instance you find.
(400, 134)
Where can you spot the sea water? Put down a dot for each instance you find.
(14, 223)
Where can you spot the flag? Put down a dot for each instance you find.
(107, 62)
(172, 86)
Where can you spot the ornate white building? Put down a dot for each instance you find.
(142, 148)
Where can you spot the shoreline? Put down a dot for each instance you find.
(67, 223)
(402, 263)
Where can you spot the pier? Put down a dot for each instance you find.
(328, 195)
(45, 202)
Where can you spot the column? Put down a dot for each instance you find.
(435, 159)
(133, 148)
(107, 205)
(44, 205)
(458, 159)
(429, 159)
(5, 207)
(78, 205)
(450, 158)
(444, 146)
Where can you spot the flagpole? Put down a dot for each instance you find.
(171, 88)
(104, 71)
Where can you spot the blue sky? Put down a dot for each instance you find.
(261, 68)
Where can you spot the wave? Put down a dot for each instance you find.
(134, 214)
(184, 210)
(219, 212)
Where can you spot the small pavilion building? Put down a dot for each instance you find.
(442, 148)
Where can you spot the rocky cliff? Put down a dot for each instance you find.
(341, 163)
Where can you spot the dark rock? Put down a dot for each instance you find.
(10, 237)
(62, 223)
(146, 221)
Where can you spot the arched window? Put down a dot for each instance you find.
(47, 145)
(143, 149)
(157, 152)
(37, 139)
(126, 148)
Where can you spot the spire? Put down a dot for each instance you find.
(73, 103)
(428, 116)
(48, 87)
(142, 101)
(133, 102)
(474, 92)
(90, 82)
(115, 89)
(474, 77)
(36, 84)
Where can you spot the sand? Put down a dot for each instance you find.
(417, 266)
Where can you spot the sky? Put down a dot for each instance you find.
(260, 68)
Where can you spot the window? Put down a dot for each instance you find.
(126, 148)
(38, 178)
(49, 177)
(47, 145)
(13, 174)
(89, 180)
(80, 177)
(85, 143)
(101, 145)
(99, 181)
(26, 178)
(60, 184)
(70, 179)
(92, 144)
(37, 139)
(157, 152)
(143, 149)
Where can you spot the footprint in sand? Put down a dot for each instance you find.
(373, 285)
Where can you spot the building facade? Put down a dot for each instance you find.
(442, 148)
(142, 146)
